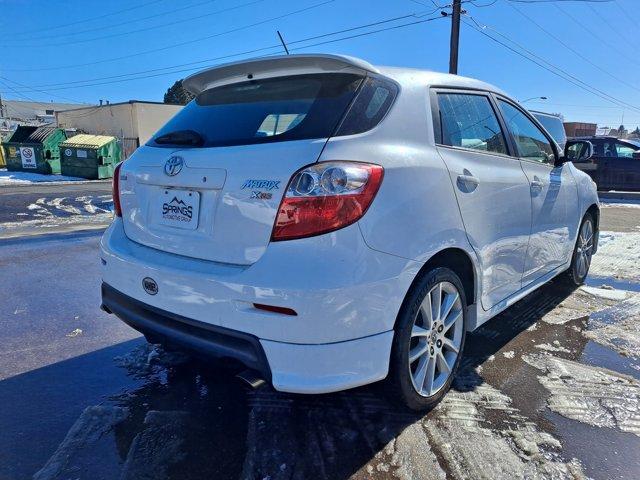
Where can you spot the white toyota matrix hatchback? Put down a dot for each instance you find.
(329, 223)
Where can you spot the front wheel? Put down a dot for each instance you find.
(429, 340)
(581, 259)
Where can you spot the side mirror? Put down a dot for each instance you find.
(577, 151)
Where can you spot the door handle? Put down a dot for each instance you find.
(466, 182)
(468, 179)
(536, 184)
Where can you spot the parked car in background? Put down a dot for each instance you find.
(615, 164)
(330, 223)
(553, 124)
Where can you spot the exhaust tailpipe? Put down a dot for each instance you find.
(252, 378)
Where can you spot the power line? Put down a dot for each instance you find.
(554, 69)
(573, 104)
(138, 30)
(90, 19)
(24, 96)
(624, 10)
(560, 1)
(223, 57)
(564, 44)
(168, 47)
(277, 46)
(613, 28)
(38, 90)
(595, 35)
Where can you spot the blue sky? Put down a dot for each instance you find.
(96, 44)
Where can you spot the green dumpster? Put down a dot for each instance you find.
(34, 149)
(89, 156)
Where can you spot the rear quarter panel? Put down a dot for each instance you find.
(415, 213)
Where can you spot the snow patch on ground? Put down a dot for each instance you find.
(618, 256)
(26, 178)
(556, 347)
(148, 359)
(471, 445)
(577, 305)
(608, 293)
(624, 203)
(99, 219)
(591, 395)
(618, 327)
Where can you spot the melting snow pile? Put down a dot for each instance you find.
(618, 252)
(26, 178)
(591, 395)
(618, 327)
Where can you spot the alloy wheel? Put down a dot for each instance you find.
(436, 339)
(584, 249)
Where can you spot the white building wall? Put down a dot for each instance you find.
(151, 117)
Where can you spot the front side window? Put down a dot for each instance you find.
(468, 121)
(532, 144)
(624, 151)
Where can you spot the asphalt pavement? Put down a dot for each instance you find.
(548, 389)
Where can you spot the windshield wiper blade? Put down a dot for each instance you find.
(181, 137)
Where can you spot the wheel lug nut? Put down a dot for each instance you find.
(432, 350)
(439, 343)
(440, 328)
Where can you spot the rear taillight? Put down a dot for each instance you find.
(324, 197)
(117, 208)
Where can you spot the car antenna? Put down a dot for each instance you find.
(282, 40)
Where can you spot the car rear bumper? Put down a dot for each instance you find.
(160, 326)
(346, 297)
(288, 367)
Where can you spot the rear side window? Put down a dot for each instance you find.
(260, 111)
(370, 106)
(624, 151)
(469, 121)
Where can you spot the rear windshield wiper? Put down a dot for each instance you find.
(181, 137)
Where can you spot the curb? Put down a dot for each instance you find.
(619, 195)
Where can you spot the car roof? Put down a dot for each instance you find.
(547, 114)
(277, 65)
(597, 137)
(437, 79)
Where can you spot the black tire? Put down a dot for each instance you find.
(576, 276)
(400, 384)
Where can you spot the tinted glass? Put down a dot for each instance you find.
(469, 121)
(624, 151)
(270, 110)
(532, 144)
(370, 106)
(554, 126)
(576, 151)
(604, 148)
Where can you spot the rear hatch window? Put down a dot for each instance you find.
(262, 111)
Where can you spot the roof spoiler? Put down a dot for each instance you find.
(266, 67)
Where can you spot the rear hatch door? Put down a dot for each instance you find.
(211, 191)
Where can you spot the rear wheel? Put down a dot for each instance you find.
(581, 260)
(429, 340)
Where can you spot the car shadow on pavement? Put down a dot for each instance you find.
(135, 411)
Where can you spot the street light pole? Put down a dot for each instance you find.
(534, 98)
(455, 37)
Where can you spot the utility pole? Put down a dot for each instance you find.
(455, 37)
(1, 107)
